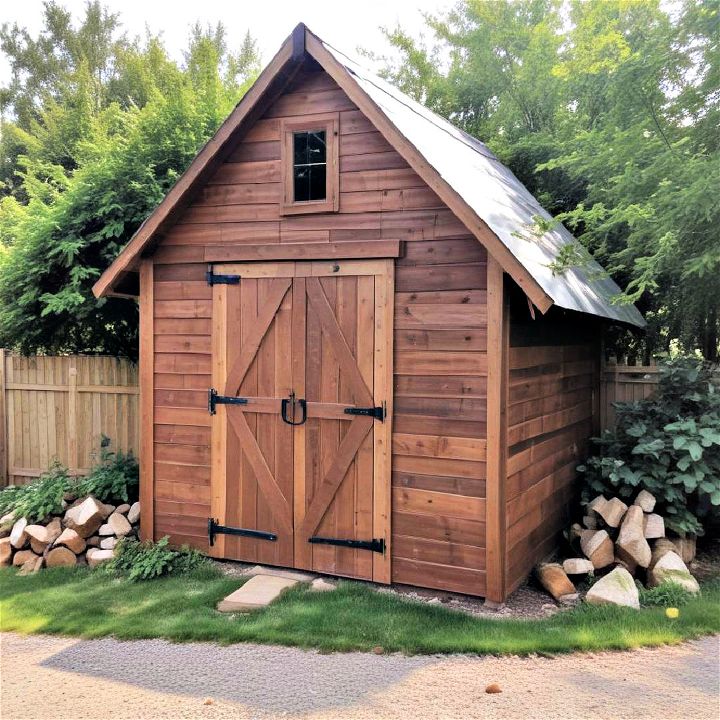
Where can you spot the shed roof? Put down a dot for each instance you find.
(484, 193)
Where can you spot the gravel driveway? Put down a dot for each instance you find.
(50, 677)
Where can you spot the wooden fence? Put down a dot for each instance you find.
(624, 383)
(59, 407)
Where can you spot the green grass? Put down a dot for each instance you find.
(89, 604)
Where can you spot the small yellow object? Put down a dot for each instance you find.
(672, 613)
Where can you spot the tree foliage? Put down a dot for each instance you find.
(609, 111)
(96, 129)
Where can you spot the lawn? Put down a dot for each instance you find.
(89, 604)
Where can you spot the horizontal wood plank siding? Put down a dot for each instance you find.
(440, 334)
(552, 412)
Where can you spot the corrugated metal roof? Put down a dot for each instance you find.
(498, 198)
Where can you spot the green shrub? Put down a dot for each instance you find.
(148, 560)
(38, 499)
(115, 477)
(668, 444)
(667, 594)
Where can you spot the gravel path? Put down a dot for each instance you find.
(50, 677)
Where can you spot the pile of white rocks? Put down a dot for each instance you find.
(626, 542)
(86, 532)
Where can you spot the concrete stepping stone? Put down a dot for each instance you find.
(279, 572)
(258, 592)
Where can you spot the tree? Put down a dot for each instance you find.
(609, 111)
(98, 151)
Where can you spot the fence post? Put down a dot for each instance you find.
(72, 424)
(3, 424)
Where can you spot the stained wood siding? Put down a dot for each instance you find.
(440, 335)
(553, 397)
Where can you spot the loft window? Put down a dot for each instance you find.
(309, 157)
(309, 165)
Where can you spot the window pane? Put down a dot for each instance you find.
(300, 144)
(317, 182)
(316, 146)
(301, 178)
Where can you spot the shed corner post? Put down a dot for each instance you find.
(146, 371)
(498, 341)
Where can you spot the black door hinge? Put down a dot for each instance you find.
(213, 279)
(374, 545)
(215, 529)
(376, 412)
(215, 399)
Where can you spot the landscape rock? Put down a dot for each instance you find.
(654, 526)
(6, 551)
(569, 599)
(133, 515)
(70, 539)
(590, 522)
(108, 510)
(123, 509)
(671, 568)
(45, 534)
(553, 578)
(595, 505)
(598, 548)
(612, 512)
(95, 556)
(60, 556)
(578, 566)
(119, 524)
(322, 585)
(93, 541)
(37, 547)
(631, 545)
(31, 566)
(86, 517)
(18, 537)
(662, 547)
(646, 501)
(686, 547)
(105, 530)
(22, 556)
(6, 524)
(108, 543)
(616, 588)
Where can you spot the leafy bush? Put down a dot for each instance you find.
(115, 477)
(667, 594)
(39, 499)
(148, 560)
(668, 444)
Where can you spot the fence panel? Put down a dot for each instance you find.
(58, 407)
(624, 383)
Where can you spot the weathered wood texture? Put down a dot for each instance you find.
(440, 335)
(625, 383)
(553, 402)
(58, 408)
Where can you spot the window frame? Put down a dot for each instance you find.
(330, 123)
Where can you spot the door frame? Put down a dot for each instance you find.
(383, 271)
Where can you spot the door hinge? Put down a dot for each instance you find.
(379, 413)
(375, 545)
(215, 399)
(215, 529)
(214, 279)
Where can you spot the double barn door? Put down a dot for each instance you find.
(301, 388)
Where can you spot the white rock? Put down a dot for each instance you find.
(322, 585)
(86, 517)
(18, 536)
(105, 530)
(646, 501)
(612, 512)
(133, 515)
(108, 543)
(616, 588)
(122, 509)
(95, 556)
(631, 545)
(119, 524)
(594, 505)
(671, 568)
(654, 526)
(69, 538)
(597, 547)
(578, 566)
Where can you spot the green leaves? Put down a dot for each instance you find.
(667, 444)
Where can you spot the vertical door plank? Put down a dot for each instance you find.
(147, 362)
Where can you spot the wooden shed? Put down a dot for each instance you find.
(355, 356)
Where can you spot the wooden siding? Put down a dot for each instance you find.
(440, 337)
(553, 394)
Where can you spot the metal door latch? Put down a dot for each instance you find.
(215, 399)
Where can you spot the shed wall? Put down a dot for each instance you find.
(553, 394)
(440, 336)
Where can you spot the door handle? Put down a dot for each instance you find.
(284, 406)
